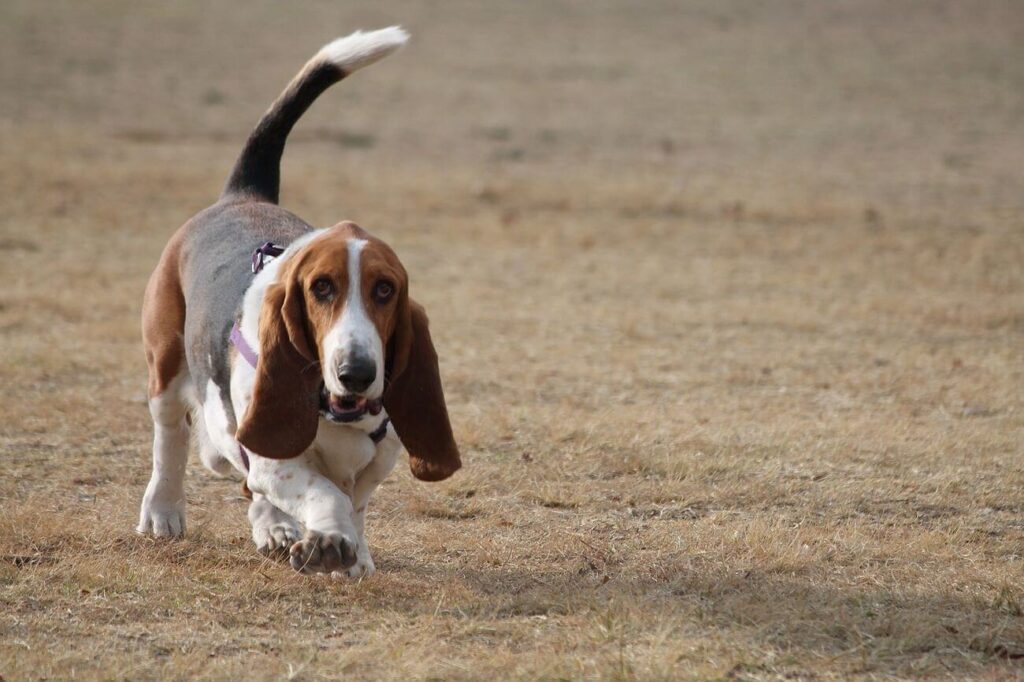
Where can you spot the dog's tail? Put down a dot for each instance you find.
(257, 172)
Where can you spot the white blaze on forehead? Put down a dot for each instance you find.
(354, 332)
(355, 248)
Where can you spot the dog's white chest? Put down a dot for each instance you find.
(343, 452)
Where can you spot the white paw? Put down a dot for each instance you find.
(275, 538)
(162, 513)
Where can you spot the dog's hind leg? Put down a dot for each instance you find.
(163, 505)
(209, 454)
(273, 531)
(170, 384)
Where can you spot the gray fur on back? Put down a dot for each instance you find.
(216, 271)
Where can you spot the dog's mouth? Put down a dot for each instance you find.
(346, 408)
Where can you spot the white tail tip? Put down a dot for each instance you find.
(360, 49)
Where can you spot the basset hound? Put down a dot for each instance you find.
(295, 353)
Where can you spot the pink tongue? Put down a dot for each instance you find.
(347, 404)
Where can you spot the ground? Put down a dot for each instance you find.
(729, 299)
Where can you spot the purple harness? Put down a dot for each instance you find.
(243, 347)
(259, 259)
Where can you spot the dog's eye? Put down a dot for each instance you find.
(323, 289)
(383, 290)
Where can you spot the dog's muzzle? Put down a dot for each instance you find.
(345, 409)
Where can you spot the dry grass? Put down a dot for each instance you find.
(730, 304)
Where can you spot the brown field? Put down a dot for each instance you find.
(729, 298)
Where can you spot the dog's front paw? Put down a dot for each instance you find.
(322, 553)
(162, 513)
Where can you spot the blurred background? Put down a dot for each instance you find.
(832, 101)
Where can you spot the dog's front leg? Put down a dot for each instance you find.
(367, 481)
(296, 487)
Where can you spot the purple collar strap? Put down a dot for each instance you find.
(244, 349)
(263, 254)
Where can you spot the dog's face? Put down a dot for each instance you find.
(354, 289)
(338, 330)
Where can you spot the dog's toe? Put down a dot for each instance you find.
(322, 553)
(275, 540)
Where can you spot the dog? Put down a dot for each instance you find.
(295, 353)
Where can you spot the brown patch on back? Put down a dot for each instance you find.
(163, 318)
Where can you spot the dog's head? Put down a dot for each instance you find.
(338, 332)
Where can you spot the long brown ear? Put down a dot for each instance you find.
(281, 420)
(415, 401)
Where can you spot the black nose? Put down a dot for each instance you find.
(357, 374)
